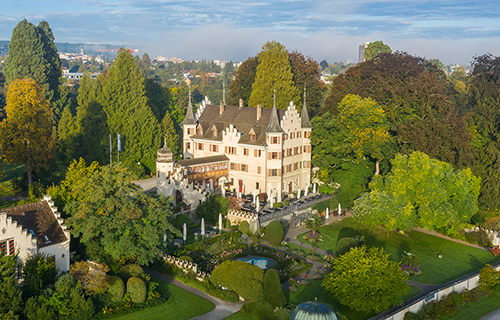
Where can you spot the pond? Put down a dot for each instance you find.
(263, 263)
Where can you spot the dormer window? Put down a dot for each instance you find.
(215, 133)
(200, 131)
(252, 136)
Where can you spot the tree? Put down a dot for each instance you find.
(92, 276)
(67, 134)
(273, 293)
(69, 300)
(273, 72)
(120, 216)
(211, 207)
(306, 71)
(126, 106)
(314, 223)
(33, 54)
(421, 192)
(27, 131)
(171, 138)
(413, 94)
(241, 277)
(241, 86)
(365, 280)
(274, 233)
(485, 118)
(160, 98)
(375, 48)
(10, 295)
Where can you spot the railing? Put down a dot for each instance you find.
(294, 207)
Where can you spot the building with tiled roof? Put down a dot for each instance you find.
(32, 228)
(268, 149)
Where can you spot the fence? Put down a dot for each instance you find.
(468, 282)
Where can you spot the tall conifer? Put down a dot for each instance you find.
(126, 106)
(274, 71)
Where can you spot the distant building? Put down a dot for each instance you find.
(32, 228)
(361, 55)
(74, 77)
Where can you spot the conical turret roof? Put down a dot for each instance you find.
(274, 123)
(189, 119)
(303, 114)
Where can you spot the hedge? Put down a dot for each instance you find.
(137, 290)
(130, 270)
(116, 288)
(274, 233)
(244, 227)
(243, 278)
(273, 294)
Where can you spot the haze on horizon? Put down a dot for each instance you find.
(452, 31)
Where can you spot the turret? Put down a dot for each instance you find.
(188, 130)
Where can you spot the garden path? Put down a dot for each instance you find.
(495, 315)
(222, 309)
(434, 233)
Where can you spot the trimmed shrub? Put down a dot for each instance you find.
(273, 294)
(244, 227)
(130, 270)
(232, 297)
(137, 290)
(274, 233)
(116, 288)
(344, 245)
(227, 224)
(245, 279)
(479, 237)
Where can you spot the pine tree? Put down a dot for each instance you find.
(33, 54)
(274, 71)
(169, 133)
(67, 135)
(126, 106)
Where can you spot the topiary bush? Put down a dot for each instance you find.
(344, 245)
(244, 227)
(273, 294)
(137, 290)
(245, 279)
(232, 297)
(411, 316)
(274, 233)
(130, 270)
(116, 288)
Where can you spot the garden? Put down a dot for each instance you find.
(440, 260)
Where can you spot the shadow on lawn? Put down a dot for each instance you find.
(475, 263)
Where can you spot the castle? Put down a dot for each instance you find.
(248, 150)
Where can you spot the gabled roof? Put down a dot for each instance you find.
(39, 218)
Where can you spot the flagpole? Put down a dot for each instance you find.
(110, 151)
(119, 148)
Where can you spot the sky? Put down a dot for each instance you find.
(453, 31)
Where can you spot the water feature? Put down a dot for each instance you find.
(262, 263)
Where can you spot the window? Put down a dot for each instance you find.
(230, 150)
(189, 131)
(274, 155)
(245, 151)
(215, 148)
(252, 136)
(258, 171)
(7, 247)
(200, 131)
(200, 146)
(257, 186)
(275, 140)
(232, 166)
(273, 172)
(244, 167)
(295, 166)
(215, 133)
(296, 150)
(257, 153)
(188, 145)
(299, 134)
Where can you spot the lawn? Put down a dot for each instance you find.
(475, 310)
(457, 259)
(11, 171)
(180, 305)
(179, 220)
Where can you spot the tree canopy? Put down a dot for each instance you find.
(366, 280)
(274, 72)
(33, 54)
(120, 216)
(375, 48)
(420, 191)
(27, 131)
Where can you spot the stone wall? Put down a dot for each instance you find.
(187, 266)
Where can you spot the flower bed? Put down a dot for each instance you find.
(288, 266)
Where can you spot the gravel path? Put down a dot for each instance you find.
(495, 315)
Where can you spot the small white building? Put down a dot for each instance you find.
(35, 227)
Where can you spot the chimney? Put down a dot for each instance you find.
(221, 108)
(259, 111)
(241, 103)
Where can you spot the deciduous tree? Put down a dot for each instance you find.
(421, 192)
(127, 222)
(375, 48)
(366, 280)
(241, 86)
(27, 131)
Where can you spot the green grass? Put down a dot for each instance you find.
(179, 220)
(11, 171)
(240, 315)
(306, 252)
(475, 310)
(180, 305)
(463, 259)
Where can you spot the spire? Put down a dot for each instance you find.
(224, 93)
(274, 124)
(303, 114)
(189, 119)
